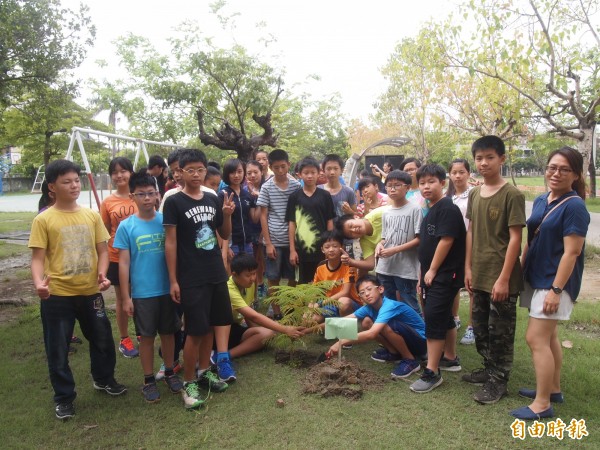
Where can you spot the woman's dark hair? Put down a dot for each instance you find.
(451, 188)
(121, 161)
(46, 199)
(230, 166)
(575, 160)
(405, 161)
(255, 163)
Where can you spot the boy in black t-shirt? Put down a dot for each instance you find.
(310, 211)
(197, 275)
(442, 259)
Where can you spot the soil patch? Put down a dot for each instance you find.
(587, 329)
(345, 378)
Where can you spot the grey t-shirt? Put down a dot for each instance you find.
(275, 200)
(345, 194)
(399, 226)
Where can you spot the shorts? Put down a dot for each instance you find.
(415, 343)
(113, 273)
(246, 248)
(307, 270)
(334, 311)
(438, 300)
(236, 334)
(565, 306)
(155, 315)
(280, 267)
(204, 307)
(407, 289)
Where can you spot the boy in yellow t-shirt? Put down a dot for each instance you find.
(68, 264)
(250, 329)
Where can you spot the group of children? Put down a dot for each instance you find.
(196, 255)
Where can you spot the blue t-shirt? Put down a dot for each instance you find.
(393, 310)
(145, 241)
(544, 253)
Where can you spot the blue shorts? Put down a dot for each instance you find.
(334, 311)
(415, 343)
(407, 289)
(280, 267)
(237, 249)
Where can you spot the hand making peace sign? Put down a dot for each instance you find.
(228, 204)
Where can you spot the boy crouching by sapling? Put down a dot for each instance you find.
(141, 242)
(393, 324)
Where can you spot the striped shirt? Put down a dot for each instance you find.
(275, 200)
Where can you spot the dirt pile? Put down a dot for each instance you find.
(345, 378)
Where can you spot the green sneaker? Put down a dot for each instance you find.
(191, 395)
(209, 381)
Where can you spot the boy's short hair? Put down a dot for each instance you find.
(490, 142)
(365, 279)
(60, 167)
(331, 235)
(156, 160)
(363, 173)
(243, 261)
(173, 157)
(431, 170)
(230, 166)
(212, 172)
(141, 179)
(191, 155)
(398, 175)
(333, 158)
(307, 161)
(405, 161)
(339, 223)
(214, 164)
(278, 155)
(365, 181)
(121, 161)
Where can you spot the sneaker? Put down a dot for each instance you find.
(428, 382)
(191, 395)
(213, 358)
(64, 411)
(161, 372)
(127, 349)
(406, 368)
(556, 397)
(383, 355)
(478, 377)
(492, 391)
(209, 381)
(150, 393)
(76, 340)
(174, 382)
(469, 337)
(112, 388)
(225, 370)
(451, 365)
(457, 322)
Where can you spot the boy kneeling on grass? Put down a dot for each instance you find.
(141, 242)
(250, 329)
(393, 324)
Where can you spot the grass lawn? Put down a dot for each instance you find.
(16, 221)
(246, 416)
(7, 250)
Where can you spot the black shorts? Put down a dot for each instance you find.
(113, 273)
(438, 300)
(236, 334)
(155, 315)
(204, 307)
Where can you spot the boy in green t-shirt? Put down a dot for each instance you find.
(496, 211)
(250, 329)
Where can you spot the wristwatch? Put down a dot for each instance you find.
(556, 290)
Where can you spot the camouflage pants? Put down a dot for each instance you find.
(494, 327)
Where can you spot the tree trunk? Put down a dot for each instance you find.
(47, 148)
(585, 148)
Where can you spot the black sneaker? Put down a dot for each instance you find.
(112, 388)
(64, 411)
(450, 365)
(491, 392)
(211, 382)
(478, 377)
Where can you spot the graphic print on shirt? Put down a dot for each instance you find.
(306, 231)
(150, 243)
(122, 213)
(77, 247)
(205, 236)
(397, 228)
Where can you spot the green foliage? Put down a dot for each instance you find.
(298, 305)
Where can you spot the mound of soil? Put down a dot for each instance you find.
(345, 378)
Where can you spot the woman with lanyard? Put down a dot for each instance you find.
(553, 268)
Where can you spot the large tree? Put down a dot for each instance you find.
(39, 41)
(548, 51)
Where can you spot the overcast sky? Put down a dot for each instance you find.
(345, 43)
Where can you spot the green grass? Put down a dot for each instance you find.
(246, 416)
(16, 221)
(7, 250)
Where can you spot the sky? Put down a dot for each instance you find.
(344, 43)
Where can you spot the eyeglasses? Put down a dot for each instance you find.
(143, 195)
(190, 171)
(561, 170)
(365, 291)
(395, 187)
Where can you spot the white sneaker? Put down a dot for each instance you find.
(191, 395)
(161, 373)
(469, 337)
